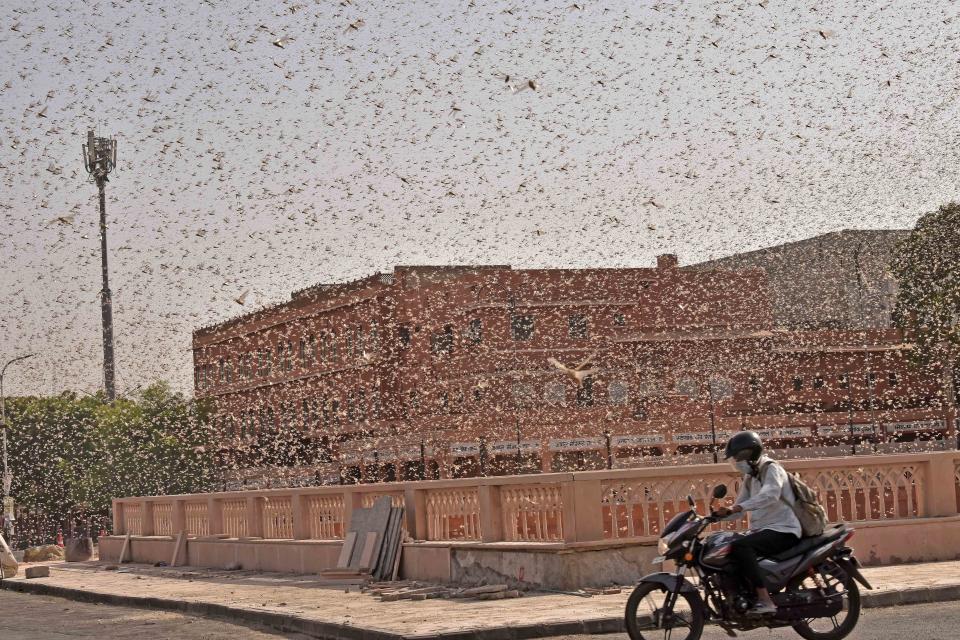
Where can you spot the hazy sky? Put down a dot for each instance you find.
(271, 146)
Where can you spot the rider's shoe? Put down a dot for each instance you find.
(762, 609)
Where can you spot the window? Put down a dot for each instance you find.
(892, 378)
(442, 342)
(843, 381)
(585, 393)
(797, 383)
(403, 335)
(311, 349)
(617, 392)
(358, 341)
(302, 348)
(754, 383)
(305, 409)
(521, 327)
(221, 373)
(477, 394)
(524, 395)
(619, 320)
(267, 362)
(687, 387)
(555, 392)
(361, 410)
(577, 326)
(475, 331)
(818, 382)
(871, 378)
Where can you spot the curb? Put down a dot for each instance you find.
(334, 631)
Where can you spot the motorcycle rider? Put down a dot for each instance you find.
(774, 527)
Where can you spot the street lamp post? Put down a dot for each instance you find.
(99, 159)
(7, 476)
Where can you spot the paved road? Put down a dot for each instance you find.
(918, 622)
(32, 617)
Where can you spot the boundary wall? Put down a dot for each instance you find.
(554, 530)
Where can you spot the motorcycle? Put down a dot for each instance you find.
(814, 584)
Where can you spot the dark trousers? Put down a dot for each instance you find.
(744, 552)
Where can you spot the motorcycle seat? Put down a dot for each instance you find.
(831, 532)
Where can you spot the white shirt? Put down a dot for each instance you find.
(770, 503)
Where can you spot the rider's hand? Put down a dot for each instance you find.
(723, 512)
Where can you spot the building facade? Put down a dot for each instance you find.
(838, 280)
(462, 371)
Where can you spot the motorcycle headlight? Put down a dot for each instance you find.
(663, 545)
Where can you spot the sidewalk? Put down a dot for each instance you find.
(301, 604)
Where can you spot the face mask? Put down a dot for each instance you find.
(743, 467)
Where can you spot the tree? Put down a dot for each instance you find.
(927, 268)
(70, 456)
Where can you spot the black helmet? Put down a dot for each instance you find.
(745, 442)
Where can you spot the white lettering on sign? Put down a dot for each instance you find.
(635, 441)
(577, 444)
(465, 449)
(702, 436)
(844, 429)
(785, 433)
(511, 447)
(916, 425)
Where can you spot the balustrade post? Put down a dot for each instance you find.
(178, 516)
(939, 492)
(491, 513)
(146, 518)
(254, 516)
(582, 510)
(215, 515)
(351, 500)
(119, 524)
(301, 516)
(415, 506)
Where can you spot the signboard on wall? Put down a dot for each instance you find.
(465, 449)
(577, 444)
(785, 433)
(916, 425)
(526, 446)
(696, 437)
(844, 429)
(637, 441)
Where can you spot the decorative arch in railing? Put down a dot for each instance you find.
(453, 514)
(532, 513)
(880, 492)
(641, 507)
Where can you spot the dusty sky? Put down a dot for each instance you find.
(270, 146)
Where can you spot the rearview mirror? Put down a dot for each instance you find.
(719, 491)
(690, 501)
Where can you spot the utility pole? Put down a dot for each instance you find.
(7, 476)
(99, 159)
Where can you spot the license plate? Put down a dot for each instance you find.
(658, 560)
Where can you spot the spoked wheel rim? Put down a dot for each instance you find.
(648, 617)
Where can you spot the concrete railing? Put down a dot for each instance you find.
(583, 507)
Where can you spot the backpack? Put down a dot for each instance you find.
(812, 516)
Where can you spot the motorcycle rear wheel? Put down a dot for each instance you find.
(646, 620)
(809, 630)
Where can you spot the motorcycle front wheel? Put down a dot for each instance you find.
(647, 617)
